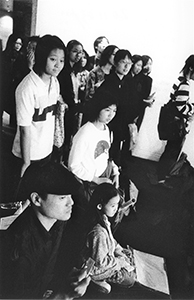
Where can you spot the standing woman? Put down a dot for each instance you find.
(36, 98)
(11, 74)
(69, 85)
(146, 81)
(98, 74)
(180, 97)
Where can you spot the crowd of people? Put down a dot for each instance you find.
(105, 97)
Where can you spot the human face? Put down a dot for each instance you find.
(111, 207)
(148, 66)
(137, 67)
(123, 66)
(57, 207)
(83, 60)
(102, 45)
(107, 114)
(18, 44)
(111, 60)
(55, 62)
(76, 53)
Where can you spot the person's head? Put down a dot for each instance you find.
(102, 107)
(49, 55)
(107, 55)
(18, 44)
(147, 64)
(14, 42)
(122, 62)
(32, 43)
(137, 64)
(100, 44)
(30, 49)
(74, 51)
(105, 200)
(188, 69)
(84, 59)
(49, 188)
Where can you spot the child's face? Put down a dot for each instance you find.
(123, 66)
(111, 207)
(137, 67)
(107, 114)
(55, 62)
(76, 53)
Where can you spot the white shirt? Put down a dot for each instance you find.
(35, 106)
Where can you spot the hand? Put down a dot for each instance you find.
(78, 282)
(99, 180)
(115, 181)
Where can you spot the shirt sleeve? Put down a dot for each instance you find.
(77, 157)
(182, 100)
(24, 105)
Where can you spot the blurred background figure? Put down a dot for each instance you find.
(99, 45)
(13, 52)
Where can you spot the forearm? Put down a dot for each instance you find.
(25, 142)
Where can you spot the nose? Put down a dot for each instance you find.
(70, 201)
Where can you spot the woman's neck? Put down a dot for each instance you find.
(46, 78)
(106, 69)
(99, 125)
(120, 76)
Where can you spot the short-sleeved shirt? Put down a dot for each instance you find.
(35, 107)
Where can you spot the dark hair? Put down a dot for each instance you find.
(101, 99)
(101, 195)
(145, 59)
(34, 38)
(10, 43)
(70, 45)
(106, 54)
(98, 41)
(45, 45)
(47, 178)
(87, 66)
(121, 54)
(136, 58)
(189, 66)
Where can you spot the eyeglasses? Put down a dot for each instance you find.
(18, 43)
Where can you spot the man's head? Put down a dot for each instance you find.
(100, 44)
(49, 188)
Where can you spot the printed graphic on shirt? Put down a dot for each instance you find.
(101, 147)
(37, 117)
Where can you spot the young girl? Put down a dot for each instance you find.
(36, 98)
(89, 154)
(113, 264)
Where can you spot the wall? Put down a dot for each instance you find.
(163, 29)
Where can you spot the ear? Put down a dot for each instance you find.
(99, 206)
(36, 199)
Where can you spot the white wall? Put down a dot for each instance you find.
(163, 29)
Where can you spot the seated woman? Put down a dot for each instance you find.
(89, 154)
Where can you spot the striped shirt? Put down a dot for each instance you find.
(180, 95)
